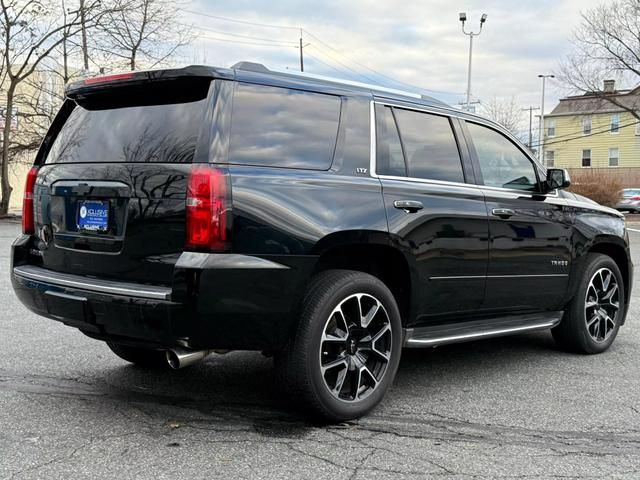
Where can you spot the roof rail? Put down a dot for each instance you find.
(352, 83)
(258, 67)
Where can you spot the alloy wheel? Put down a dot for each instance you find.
(602, 304)
(355, 349)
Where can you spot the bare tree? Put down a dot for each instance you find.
(606, 46)
(141, 33)
(506, 112)
(31, 31)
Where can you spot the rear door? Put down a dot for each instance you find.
(530, 232)
(438, 220)
(110, 193)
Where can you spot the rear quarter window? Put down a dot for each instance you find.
(281, 127)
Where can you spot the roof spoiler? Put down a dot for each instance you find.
(102, 82)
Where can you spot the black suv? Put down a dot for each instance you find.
(180, 212)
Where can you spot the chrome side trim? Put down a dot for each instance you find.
(50, 278)
(460, 277)
(374, 140)
(471, 336)
(221, 261)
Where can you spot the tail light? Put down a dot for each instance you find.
(635, 198)
(207, 205)
(28, 225)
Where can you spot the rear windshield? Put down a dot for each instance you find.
(630, 193)
(132, 128)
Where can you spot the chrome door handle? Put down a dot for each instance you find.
(503, 212)
(409, 206)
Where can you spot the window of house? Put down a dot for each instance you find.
(615, 123)
(638, 128)
(502, 163)
(551, 158)
(586, 125)
(586, 157)
(551, 127)
(614, 157)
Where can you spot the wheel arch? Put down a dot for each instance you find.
(372, 253)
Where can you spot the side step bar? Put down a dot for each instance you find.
(431, 336)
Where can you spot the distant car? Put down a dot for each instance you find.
(630, 201)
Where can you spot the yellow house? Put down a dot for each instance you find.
(594, 130)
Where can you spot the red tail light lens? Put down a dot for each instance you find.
(206, 224)
(28, 225)
(116, 77)
(634, 198)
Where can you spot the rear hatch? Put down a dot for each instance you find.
(110, 193)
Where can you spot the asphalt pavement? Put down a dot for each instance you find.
(514, 407)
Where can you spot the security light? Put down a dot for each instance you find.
(483, 18)
(463, 17)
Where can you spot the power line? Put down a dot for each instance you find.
(261, 39)
(342, 72)
(377, 72)
(369, 79)
(361, 75)
(233, 20)
(229, 40)
(605, 130)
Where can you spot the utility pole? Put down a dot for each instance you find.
(467, 106)
(541, 142)
(530, 109)
(471, 34)
(301, 54)
(85, 53)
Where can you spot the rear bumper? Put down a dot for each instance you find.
(228, 301)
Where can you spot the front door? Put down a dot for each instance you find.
(529, 248)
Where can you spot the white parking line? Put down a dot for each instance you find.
(633, 230)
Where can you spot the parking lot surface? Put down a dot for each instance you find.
(513, 407)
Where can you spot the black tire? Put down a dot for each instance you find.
(573, 333)
(143, 357)
(299, 366)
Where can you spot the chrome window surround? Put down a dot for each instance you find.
(478, 120)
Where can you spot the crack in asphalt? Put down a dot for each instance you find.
(268, 425)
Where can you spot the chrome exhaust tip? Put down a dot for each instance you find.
(181, 357)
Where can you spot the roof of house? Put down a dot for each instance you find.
(591, 103)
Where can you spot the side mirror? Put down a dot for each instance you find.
(557, 178)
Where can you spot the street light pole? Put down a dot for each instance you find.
(530, 110)
(541, 134)
(471, 34)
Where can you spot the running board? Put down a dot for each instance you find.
(477, 329)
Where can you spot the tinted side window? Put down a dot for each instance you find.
(502, 164)
(389, 157)
(429, 146)
(281, 127)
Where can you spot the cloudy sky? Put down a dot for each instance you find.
(397, 43)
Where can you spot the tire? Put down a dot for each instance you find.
(585, 327)
(328, 334)
(143, 357)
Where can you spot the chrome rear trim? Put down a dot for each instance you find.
(79, 282)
